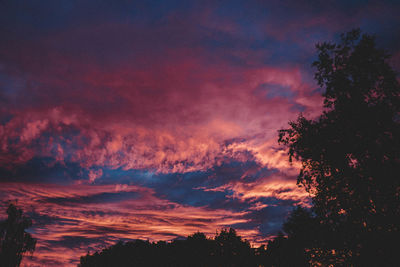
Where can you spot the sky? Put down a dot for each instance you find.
(122, 120)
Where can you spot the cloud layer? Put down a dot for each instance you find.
(155, 120)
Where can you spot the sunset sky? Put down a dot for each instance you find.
(157, 119)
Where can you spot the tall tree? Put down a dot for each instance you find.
(351, 154)
(14, 241)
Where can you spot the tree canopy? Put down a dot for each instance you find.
(350, 154)
(225, 249)
(14, 240)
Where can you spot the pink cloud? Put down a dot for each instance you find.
(94, 174)
(171, 113)
(278, 186)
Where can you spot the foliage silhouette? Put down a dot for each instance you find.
(351, 155)
(226, 249)
(14, 241)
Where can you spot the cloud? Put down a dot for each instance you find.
(69, 219)
(143, 120)
(224, 113)
(99, 215)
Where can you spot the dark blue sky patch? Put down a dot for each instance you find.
(270, 90)
(73, 241)
(105, 197)
(189, 188)
(43, 169)
(42, 220)
(270, 219)
(192, 188)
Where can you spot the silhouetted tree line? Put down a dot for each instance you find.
(225, 249)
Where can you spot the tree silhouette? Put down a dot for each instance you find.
(279, 253)
(351, 154)
(14, 241)
(297, 247)
(232, 250)
(199, 249)
(226, 249)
